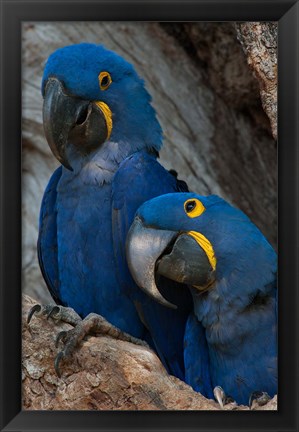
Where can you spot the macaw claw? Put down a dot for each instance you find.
(53, 312)
(93, 324)
(59, 313)
(35, 309)
(221, 397)
(60, 337)
(58, 358)
(258, 398)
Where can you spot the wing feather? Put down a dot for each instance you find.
(140, 178)
(47, 238)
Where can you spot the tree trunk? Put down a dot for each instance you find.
(259, 41)
(104, 374)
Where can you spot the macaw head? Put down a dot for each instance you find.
(92, 95)
(197, 241)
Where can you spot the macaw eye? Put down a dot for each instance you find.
(190, 206)
(105, 80)
(193, 207)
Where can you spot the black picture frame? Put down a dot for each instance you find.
(13, 13)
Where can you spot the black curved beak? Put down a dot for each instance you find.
(176, 256)
(68, 119)
(187, 263)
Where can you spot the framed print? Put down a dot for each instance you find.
(122, 259)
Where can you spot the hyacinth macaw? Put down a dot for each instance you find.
(214, 250)
(100, 125)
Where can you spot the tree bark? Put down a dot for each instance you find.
(259, 41)
(104, 374)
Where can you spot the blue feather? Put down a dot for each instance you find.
(196, 358)
(239, 311)
(130, 189)
(87, 215)
(134, 119)
(47, 239)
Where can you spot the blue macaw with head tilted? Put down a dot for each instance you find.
(100, 125)
(230, 268)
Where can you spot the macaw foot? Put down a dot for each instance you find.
(222, 398)
(93, 324)
(258, 398)
(58, 313)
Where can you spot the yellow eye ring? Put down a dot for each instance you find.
(105, 80)
(193, 207)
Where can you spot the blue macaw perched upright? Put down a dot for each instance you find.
(100, 125)
(230, 268)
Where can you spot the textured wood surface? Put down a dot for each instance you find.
(104, 374)
(259, 41)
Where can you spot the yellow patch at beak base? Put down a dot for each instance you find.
(107, 114)
(206, 246)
